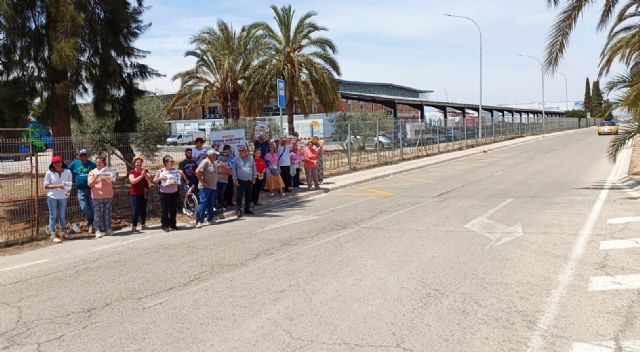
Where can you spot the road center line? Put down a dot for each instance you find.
(257, 265)
(24, 265)
(566, 275)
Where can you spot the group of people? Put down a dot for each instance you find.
(213, 175)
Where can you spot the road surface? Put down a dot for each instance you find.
(534, 247)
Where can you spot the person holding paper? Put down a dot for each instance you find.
(168, 178)
(101, 183)
(58, 181)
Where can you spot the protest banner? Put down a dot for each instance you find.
(234, 138)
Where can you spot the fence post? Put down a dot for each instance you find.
(377, 139)
(349, 145)
(400, 140)
(37, 186)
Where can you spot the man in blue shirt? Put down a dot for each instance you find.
(80, 169)
(244, 177)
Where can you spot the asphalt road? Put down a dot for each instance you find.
(528, 248)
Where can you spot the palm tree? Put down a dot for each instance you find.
(296, 53)
(223, 60)
(623, 44)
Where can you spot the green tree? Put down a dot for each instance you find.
(66, 49)
(597, 101)
(294, 51)
(619, 19)
(223, 60)
(587, 96)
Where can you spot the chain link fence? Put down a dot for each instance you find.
(350, 146)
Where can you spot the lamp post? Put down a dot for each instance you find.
(542, 76)
(480, 104)
(566, 92)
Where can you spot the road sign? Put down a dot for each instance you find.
(281, 98)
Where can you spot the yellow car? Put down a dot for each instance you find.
(607, 127)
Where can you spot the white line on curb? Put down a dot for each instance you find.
(544, 324)
(24, 265)
(615, 282)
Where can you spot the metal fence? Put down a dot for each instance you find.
(352, 146)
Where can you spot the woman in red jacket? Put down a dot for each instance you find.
(261, 167)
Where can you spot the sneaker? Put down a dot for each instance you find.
(212, 222)
(55, 239)
(145, 227)
(283, 194)
(272, 194)
(175, 228)
(249, 212)
(99, 234)
(134, 229)
(198, 225)
(239, 213)
(108, 233)
(91, 229)
(166, 229)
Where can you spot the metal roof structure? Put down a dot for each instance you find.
(391, 100)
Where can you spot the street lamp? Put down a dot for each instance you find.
(480, 104)
(566, 91)
(542, 76)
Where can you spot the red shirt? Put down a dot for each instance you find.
(311, 157)
(260, 165)
(138, 188)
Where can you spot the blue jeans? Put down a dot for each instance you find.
(57, 209)
(84, 198)
(221, 188)
(207, 201)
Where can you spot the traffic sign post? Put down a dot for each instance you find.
(281, 101)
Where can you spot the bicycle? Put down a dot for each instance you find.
(190, 204)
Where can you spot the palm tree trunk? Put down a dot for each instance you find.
(290, 105)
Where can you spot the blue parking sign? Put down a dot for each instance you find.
(281, 98)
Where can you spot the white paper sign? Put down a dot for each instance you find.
(261, 129)
(173, 177)
(233, 138)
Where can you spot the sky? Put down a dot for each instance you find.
(405, 42)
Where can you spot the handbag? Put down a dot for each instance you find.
(274, 172)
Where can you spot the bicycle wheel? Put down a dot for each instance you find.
(190, 205)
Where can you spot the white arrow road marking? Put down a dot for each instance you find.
(617, 221)
(607, 346)
(496, 232)
(296, 219)
(614, 282)
(620, 244)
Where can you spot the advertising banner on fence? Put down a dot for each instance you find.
(234, 138)
(262, 128)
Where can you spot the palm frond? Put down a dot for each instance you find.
(625, 136)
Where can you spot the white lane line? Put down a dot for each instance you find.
(120, 243)
(620, 244)
(544, 324)
(607, 346)
(615, 282)
(617, 221)
(24, 265)
(257, 265)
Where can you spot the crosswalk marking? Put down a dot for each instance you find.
(617, 221)
(607, 346)
(614, 282)
(620, 244)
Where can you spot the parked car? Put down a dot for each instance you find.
(184, 138)
(357, 142)
(607, 127)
